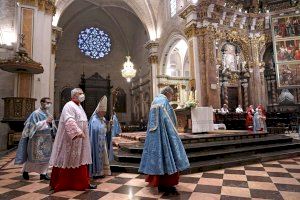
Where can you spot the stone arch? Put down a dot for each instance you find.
(142, 10)
(64, 96)
(171, 42)
(264, 49)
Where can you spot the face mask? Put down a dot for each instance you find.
(81, 97)
(48, 106)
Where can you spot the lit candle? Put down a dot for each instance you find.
(196, 95)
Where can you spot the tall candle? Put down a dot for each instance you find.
(196, 95)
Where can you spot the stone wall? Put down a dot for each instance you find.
(127, 38)
(7, 27)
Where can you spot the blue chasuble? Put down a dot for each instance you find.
(163, 151)
(258, 123)
(97, 133)
(35, 145)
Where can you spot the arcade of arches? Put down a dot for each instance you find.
(223, 50)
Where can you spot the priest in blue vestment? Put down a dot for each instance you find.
(164, 155)
(35, 146)
(259, 121)
(97, 132)
(115, 131)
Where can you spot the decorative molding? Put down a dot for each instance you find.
(186, 11)
(151, 45)
(53, 48)
(56, 34)
(236, 36)
(191, 31)
(47, 6)
(153, 59)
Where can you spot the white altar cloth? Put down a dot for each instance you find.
(202, 119)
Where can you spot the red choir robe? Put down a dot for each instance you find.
(249, 119)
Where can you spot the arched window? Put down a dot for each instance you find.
(173, 7)
(176, 62)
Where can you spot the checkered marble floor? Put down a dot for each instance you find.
(269, 180)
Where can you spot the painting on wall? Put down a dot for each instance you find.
(289, 74)
(286, 44)
(288, 50)
(287, 26)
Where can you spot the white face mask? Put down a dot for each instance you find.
(48, 106)
(81, 97)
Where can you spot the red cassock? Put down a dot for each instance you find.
(249, 120)
(297, 55)
(163, 180)
(70, 178)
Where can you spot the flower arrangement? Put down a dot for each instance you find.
(191, 104)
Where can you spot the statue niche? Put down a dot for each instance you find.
(233, 76)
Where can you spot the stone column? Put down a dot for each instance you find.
(263, 87)
(191, 31)
(193, 50)
(213, 94)
(152, 47)
(240, 98)
(246, 99)
(56, 33)
(225, 84)
(274, 99)
(256, 91)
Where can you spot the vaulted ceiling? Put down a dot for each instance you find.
(115, 15)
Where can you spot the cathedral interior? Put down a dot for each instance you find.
(211, 52)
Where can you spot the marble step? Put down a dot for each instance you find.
(214, 164)
(196, 138)
(122, 156)
(196, 147)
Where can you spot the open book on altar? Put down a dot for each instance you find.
(202, 119)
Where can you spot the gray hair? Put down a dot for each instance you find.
(166, 90)
(75, 91)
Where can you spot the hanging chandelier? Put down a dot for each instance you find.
(128, 71)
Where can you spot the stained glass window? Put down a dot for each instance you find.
(173, 7)
(94, 42)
